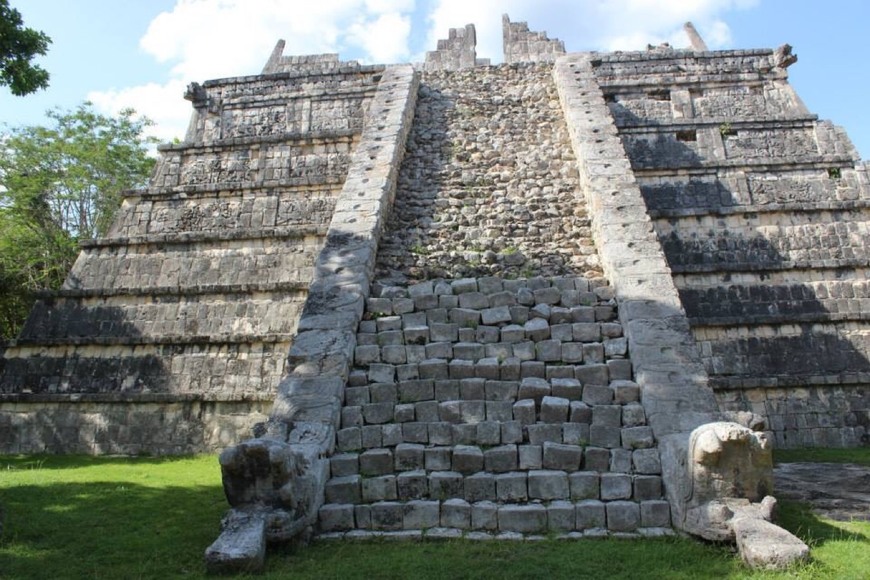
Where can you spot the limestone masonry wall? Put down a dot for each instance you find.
(195, 295)
(762, 212)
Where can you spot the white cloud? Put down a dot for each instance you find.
(203, 39)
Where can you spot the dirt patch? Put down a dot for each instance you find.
(838, 491)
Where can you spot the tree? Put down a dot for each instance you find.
(19, 46)
(58, 185)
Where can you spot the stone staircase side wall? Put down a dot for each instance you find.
(667, 365)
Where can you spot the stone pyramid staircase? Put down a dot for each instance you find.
(493, 406)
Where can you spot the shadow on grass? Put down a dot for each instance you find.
(798, 518)
(107, 529)
(53, 462)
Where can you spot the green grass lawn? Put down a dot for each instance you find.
(85, 517)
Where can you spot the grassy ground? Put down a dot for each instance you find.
(84, 517)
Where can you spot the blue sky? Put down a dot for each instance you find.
(141, 53)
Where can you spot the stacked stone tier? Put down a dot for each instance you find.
(494, 406)
(762, 212)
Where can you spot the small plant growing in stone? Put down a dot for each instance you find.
(834, 172)
(726, 130)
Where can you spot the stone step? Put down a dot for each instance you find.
(559, 516)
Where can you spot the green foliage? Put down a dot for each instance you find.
(18, 46)
(58, 185)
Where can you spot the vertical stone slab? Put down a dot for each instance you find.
(667, 365)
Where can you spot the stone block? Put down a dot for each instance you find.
(607, 415)
(579, 412)
(548, 295)
(409, 456)
(596, 459)
(530, 456)
(446, 484)
(567, 388)
(561, 332)
(524, 412)
(637, 438)
(433, 368)
(443, 332)
(511, 487)
(450, 411)
(474, 301)
(367, 354)
(525, 350)
(487, 368)
(548, 484)
(484, 515)
(421, 514)
(372, 436)
(561, 456)
(615, 486)
(388, 516)
(647, 487)
(464, 434)
(619, 369)
(561, 516)
(376, 462)
(440, 433)
(380, 488)
(442, 350)
(473, 351)
(461, 369)
(525, 519)
(615, 347)
(534, 388)
(620, 460)
(623, 516)
(511, 431)
(446, 390)
(343, 464)
(412, 485)
(584, 485)
(472, 389)
(554, 409)
(404, 413)
(500, 459)
(633, 415)
(499, 411)
(335, 517)
(356, 396)
(383, 393)
(488, 433)
(572, 352)
(590, 514)
(391, 434)
(512, 333)
(591, 374)
(489, 336)
(542, 432)
(416, 390)
(496, 315)
(473, 411)
(426, 412)
(480, 487)
(548, 351)
(467, 459)
(378, 413)
(416, 335)
(438, 458)
(348, 439)
(381, 373)
(655, 514)
(575, 434)
(582, 314)
(646, 461)
(351, 417)
(625, 391)
(465, 317)
(537, 329)
(511, 368)
(415, 432)
(363, 516)
(343, 490)
(586, 331)
(603, 436)
(456, 513)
